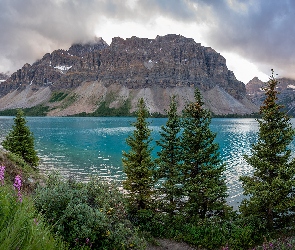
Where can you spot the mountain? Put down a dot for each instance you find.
(3, 77)
(286, 96)
(95, 76)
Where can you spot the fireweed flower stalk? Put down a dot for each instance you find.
(2, 170)
(17, 185)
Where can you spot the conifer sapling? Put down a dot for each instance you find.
(137, 163)
(203, 169)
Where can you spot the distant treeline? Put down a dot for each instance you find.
(39, 110)
(105, 111)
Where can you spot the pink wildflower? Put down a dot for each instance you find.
(2, 170)
(36, 221)
(17, 184)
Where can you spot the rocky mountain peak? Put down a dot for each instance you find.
(166, 61)
(4, 76)
(82, 49)
(170, 62)
(254, 85)
(285, 89)
(255, 81)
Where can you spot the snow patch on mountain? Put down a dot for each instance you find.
(63, 68)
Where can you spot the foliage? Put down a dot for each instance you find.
(38, 110)
(58, 96)
(203, 171)
(69, 100)
(158, 115)
(169, 162)
(284, 243)
(21, 227)
(15, 165)
(138, 164)
(20, 140)
(104, 111)
(87, 214)
(209, 233)
(271, 188)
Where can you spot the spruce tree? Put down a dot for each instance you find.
(203, 169)
(271, 187)
(137, 163)
(169, 161)
(20, 140)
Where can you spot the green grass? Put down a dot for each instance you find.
(21, 227)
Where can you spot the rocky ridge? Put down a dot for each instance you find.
(286, 96)
(3, 77)
(126, 70)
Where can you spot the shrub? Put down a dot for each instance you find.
(87, 214)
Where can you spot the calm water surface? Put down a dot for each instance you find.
(87, 146)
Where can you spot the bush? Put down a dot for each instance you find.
(234, 232)
(87, 214)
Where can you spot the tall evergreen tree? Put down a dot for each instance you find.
(203, 169)
(20, 140)
(138, 164)
(271, 188)
(169, 161)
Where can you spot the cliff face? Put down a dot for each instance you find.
(60, 70)
(171, 62)
(167, 61)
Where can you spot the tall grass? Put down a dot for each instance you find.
(21, 227)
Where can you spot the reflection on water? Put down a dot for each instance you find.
(235, 137)
(87, 146)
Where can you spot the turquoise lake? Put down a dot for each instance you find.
(82, 147)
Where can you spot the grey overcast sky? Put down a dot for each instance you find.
(253, 35)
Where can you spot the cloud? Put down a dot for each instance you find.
(262, 32)
(33, 27)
